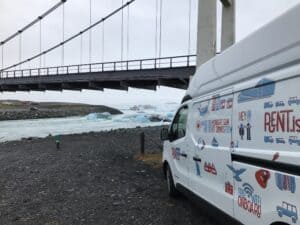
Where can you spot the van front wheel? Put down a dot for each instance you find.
(172, 191)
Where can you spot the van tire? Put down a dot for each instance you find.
(172, 191)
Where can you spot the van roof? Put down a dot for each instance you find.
(274, 46)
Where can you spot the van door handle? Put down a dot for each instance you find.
(183, 155)
(197, 159)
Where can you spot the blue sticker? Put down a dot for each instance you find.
(214, 142)
(294, 101)
(280, 141)
(288, 210)
(279, 104)
(268, 139)
(203, 110)
(285, 182)
(248, 200)
(236, 172)
(268, 105)
(264, 88)
(294, 140)
(198, 170)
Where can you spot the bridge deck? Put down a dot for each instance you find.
(144, 74)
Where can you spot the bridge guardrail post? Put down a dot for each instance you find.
(90, 68)
(67, 70)
(155, 63)
(78, 69)
(14, 73)
(115, 66)
(188, 61)
(142, 143)
(102, 67)
(171, 62)
(141, 64)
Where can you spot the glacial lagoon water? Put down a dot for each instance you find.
(132, 117)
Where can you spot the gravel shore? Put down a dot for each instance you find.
(94, 179)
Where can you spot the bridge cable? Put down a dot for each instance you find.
(90, 35)
(160, 30)
(44, 60)
(40, 25)
(190, 21)
(156, 27)
(81, 49)
(128, 30)
(20, 48)
(103, 41)
(2, 57)
(48, 12)
(122, 32)
(74, 36)
(63, 36)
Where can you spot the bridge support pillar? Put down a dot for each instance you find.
(228, 24)
(207, 26)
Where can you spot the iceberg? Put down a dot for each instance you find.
(96, 116)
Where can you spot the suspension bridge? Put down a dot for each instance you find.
(145, 73)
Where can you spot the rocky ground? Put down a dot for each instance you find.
(94, 179)
(18, 110)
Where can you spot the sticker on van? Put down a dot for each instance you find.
(262, 178)
(229, 188)
(248, 200)
(237, 173)
(289, 210)
(285, 182)
(264, 88)
(198, 170)
(210, 168)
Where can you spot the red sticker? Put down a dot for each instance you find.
(262, 177)
(275, 156)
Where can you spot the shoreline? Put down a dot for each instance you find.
(21, 110)
(109, 131)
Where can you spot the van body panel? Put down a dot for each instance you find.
(264, 196)
(266, 120)
(211, 140)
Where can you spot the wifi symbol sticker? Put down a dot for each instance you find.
(249, 190)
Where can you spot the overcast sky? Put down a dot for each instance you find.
(14, 14)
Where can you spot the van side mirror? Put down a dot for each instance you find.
(164, 134)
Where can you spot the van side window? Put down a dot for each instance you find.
(178, 128)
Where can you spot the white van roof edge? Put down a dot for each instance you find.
(274, 46)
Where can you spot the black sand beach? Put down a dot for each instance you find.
(93, 179)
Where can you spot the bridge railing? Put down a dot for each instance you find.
(141, 64)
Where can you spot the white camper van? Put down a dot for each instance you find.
(235, 140)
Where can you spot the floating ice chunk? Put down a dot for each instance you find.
(96, 116)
